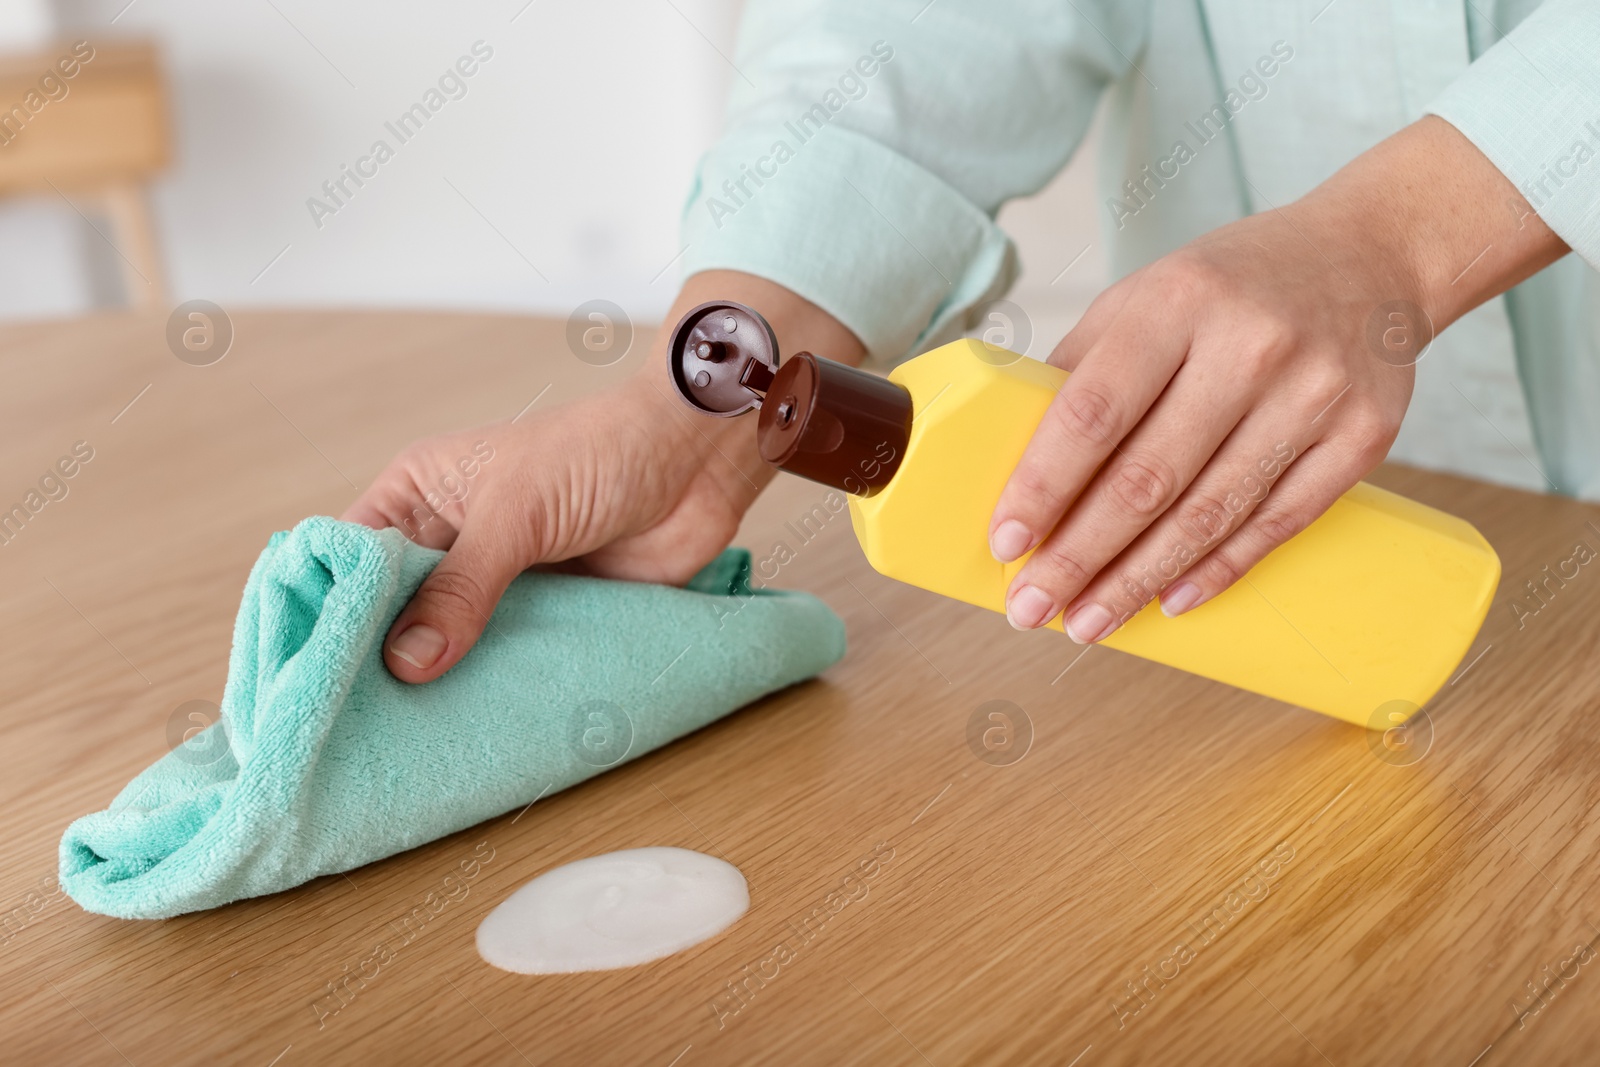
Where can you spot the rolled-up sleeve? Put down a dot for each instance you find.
(1531, 104)
(869, 145)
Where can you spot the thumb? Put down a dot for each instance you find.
(450, 610)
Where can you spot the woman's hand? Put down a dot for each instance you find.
(617, 482)
(1224, 396)
(628, 484)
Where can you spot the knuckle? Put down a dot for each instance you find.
(1032, 488)
(1086, 413)
(1143, 484)
(1268, 340)
(457, 596)
(1133, 587)
(1188, 279)
(1220, 569)
(1276, 525)
(1264, 350)
(1058, 572)
(1274, 335)
(1205, 518)
(1371, 432)
(1326, 383)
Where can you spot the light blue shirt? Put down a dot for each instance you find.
(870, 145)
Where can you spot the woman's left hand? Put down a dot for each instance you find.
(1224, 396)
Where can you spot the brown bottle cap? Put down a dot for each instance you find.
(722, 358)
(834, 424)
(822, 420)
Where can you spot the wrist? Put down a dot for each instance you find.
(1438, 225)
(689, 443)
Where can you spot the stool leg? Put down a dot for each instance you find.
(143, 277)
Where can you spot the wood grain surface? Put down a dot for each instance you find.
(1148, 867)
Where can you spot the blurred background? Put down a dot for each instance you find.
(178, 163)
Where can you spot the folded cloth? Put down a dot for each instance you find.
(322, 761)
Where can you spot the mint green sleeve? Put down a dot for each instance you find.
(1531, 104)
(869, 145)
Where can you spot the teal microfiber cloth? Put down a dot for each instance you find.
(322, 761)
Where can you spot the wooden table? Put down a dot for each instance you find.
(1396, 912)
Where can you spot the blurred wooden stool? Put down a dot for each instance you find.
(98, 136)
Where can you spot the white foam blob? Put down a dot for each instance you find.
(616, 910)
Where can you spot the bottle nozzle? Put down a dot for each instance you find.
(822, 420)
(723, 356)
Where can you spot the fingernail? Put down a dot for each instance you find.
(1089, 624)
(1029, 607)
(1179, 599)
(420, 645)
(1010, 540)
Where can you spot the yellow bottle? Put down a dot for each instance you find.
(1362, 616)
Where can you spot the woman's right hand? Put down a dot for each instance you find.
(616, 481)
(627, 483)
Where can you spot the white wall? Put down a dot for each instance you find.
(575, 141)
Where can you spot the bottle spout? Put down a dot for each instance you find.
(723, 357)
(823, 420)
